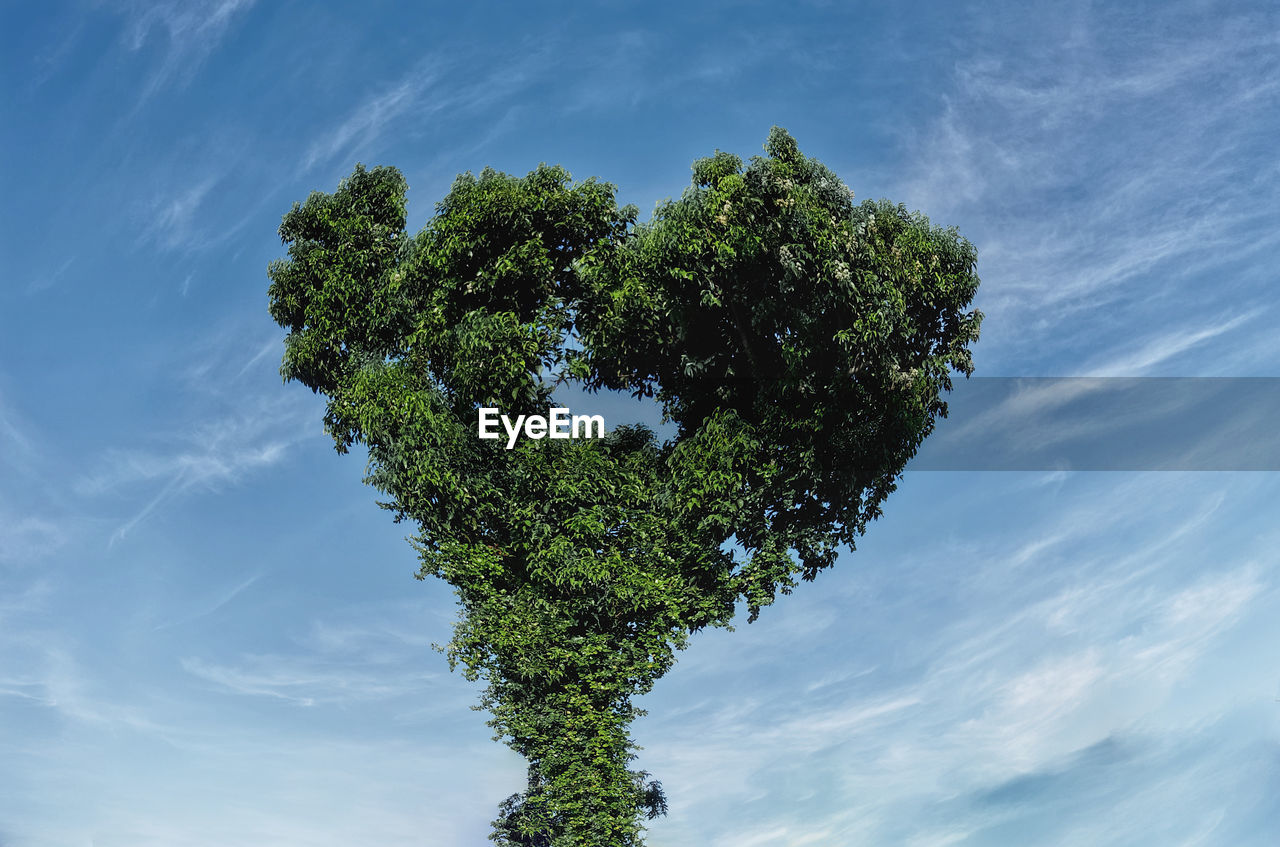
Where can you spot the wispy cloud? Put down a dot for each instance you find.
(375, 640)
(13, 436)
(307, 681)
(52, 59)
(207, 456)
(279, 787)
(23, 600)
(23, 539)
(1189, 619)
(172, 222)
(199, 194)
(228, 419)
(1082, 165)
(1051, 650)
(359, 653)
(218, 362)
(191, 31)
(363, 127)
(220, 452)
(432, 88)
(24, 454)
(636, 66)
(58, 681)
(51, 278)
(268, 347)
(218, 603)
(1161, 347)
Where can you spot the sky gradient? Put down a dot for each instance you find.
(209, 632)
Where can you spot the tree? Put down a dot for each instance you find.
(799, 342)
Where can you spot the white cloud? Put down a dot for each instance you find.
(1066, 632)
(308, 681)
(202, 456)
(221, 601)
(431, 88)
(57, 680)
(365, 125)
(172, 223)
(17, 445)
(27, 538)
(51, 278)
(1081, 165)
(358, 654)
(191, 31)
(1160, 347)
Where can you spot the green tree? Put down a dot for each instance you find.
(799, 342)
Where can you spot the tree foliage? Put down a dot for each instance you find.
(800, 343)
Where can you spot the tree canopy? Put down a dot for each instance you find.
(799, 342)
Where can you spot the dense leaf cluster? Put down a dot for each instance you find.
(800, 343)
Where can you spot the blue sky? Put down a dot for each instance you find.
(209, 633)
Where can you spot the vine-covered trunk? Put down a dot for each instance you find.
(581, 791)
